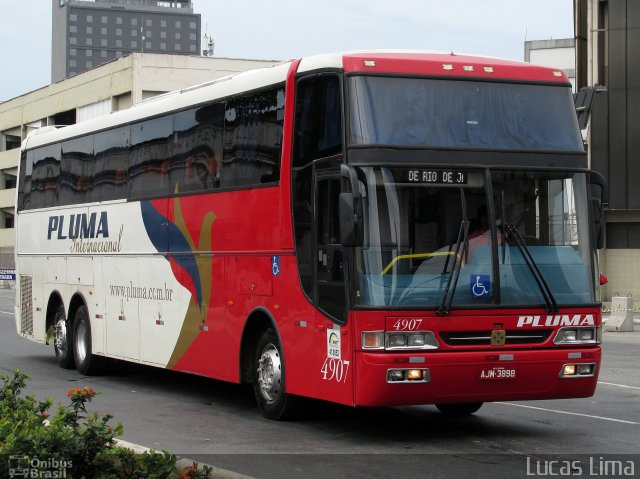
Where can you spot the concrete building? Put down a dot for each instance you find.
(114, 86)
(608, 72)
(88, 33)
(560, 54)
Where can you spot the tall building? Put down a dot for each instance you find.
(608, 75)
(559, 54)
(88, 33)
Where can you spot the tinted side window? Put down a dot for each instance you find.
(253, 139)
(24, 185)
(318, 128)
(197, 149)
(46, 177)
(150, 154)
(111, 162)
(76, 180)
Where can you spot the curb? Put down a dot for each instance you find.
(217, 473)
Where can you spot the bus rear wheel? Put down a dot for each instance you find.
(62, 339)
(86, 362)
(269, 379)
(460, 409)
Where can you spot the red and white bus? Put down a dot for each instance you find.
(367, 228)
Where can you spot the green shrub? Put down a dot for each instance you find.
(72, 443)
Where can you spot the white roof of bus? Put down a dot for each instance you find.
(172, 101)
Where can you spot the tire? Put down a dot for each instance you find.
(86, 362)
(460, 409)
(269, 380)
(62, 339)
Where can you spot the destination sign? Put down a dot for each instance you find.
(436, 177)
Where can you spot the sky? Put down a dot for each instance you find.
(285, 29)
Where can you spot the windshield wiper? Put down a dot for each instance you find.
(512, 232)
(450, 289)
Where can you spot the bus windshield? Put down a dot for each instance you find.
(418, 112)
(427, 231)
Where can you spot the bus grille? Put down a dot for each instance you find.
(26, 305)
(483, 338)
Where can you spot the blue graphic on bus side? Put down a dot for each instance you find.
(480, 285)
(275, 265)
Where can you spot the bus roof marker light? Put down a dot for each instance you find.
(468, 68)
(447, 66)
(557, 73)
(369, 63)
(488, 69)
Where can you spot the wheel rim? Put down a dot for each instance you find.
(81, 341)
(270, 372)
(60, 337)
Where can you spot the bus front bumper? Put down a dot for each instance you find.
(388, 379)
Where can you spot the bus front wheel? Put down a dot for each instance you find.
(460, 409)
(86, 362)
(269, 379)
(62, 339)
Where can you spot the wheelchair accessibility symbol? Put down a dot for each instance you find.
(480, 285)
(275, 265)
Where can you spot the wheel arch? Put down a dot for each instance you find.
(77, 300)
(259, 320)
(55, 301)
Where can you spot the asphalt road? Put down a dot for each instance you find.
(218, 423)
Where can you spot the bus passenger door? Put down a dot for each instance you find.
(333, 343)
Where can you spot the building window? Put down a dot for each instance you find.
(88, 53)
(193, 37)
(118, 43)
(134, 22)
(118, 54)
(103, 53)
(105, 19)
(119, 20)
(73, 17)
(73, 29)
(119, 32)
(134, 44)
(89, 41)
(103, 31)
(8, 221)
(134, 33)
(73, 41)
(89, 30)
(72, 63)
(103, 42)
(193, 47)
(147, 45)
(73, 52)
(163, 34)
(148, 33)
(148, 22)
(193, 25)
(163, 46)
(89, 18)
(177, 47)
(178, 24)
(89, 64)
(178, 36)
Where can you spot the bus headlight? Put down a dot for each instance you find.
(412, 340)
(588, 335)
(396, 341)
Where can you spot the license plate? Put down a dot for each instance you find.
(497, 373)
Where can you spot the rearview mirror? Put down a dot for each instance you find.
(350, 225)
